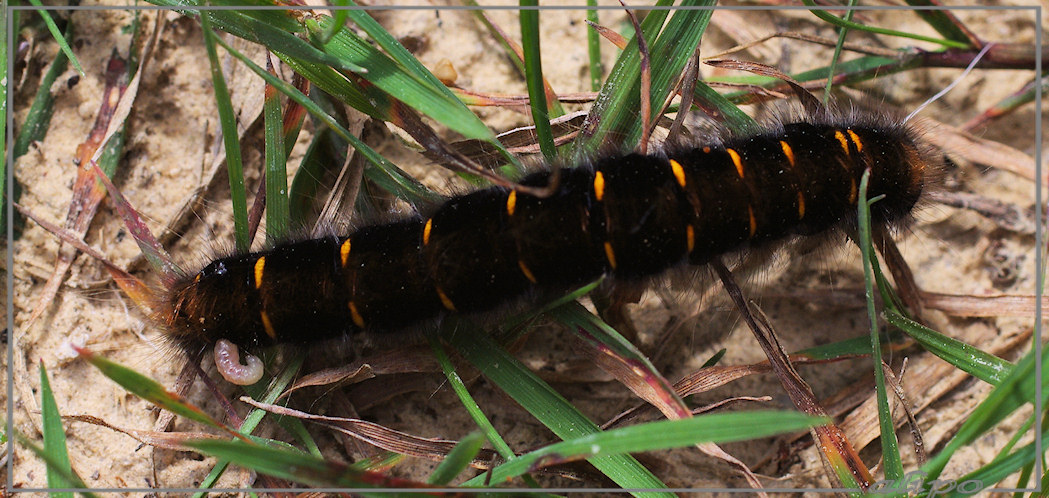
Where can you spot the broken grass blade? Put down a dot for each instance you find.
(158, 258)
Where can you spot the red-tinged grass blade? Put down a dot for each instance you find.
(842, 458)
(58, 467)
(1009, 104)
(663, 434)
(545, 404)
(137, 290)
(607, 33)
(301, 468)
(72, 477)
(618, 356)
(976, 362)
(458, 459)
(150, 390)
(381, 463)
(158, 258)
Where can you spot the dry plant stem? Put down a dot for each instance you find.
(687, 87)
(1006, 215)
(797, 389)
(895, 382)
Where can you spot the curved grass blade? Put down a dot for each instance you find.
(72, 477)
(890, 446)
(822, 13)
(974, 361)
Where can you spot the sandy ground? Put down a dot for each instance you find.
(172, 140)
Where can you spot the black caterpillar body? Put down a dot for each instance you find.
(628, 217)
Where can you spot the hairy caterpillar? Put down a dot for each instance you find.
(629, 217)
(161, 165)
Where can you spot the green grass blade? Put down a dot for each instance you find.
(1014, 391)
(458, 459)
(890, 447)
(231, 143)
(38, 119)
(844, 31)
(593, 47)
(386, 174)
(63, 45)
(821, 13)
(413, 89)
(276, 168)
(72, 477)
(478, 416)
(549, 407)
(674, 45)
(529, 20)
(54, 439)
(980, 364)
(659, 435)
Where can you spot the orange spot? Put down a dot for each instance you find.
(736, 160)
(610, 255)
(706, 150)
(259, 266)
(527, 273)
(690, 238)
(787, 151)
(196, 278)
(855, 140)
(599, 186)
(447, 303)
(853, 192)
(801, 205)
(426, 231)
(344, 252)
(358, 320)
(679, 172)
(844, 142)
(753, 221)
(266, 324)
(511, 202)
